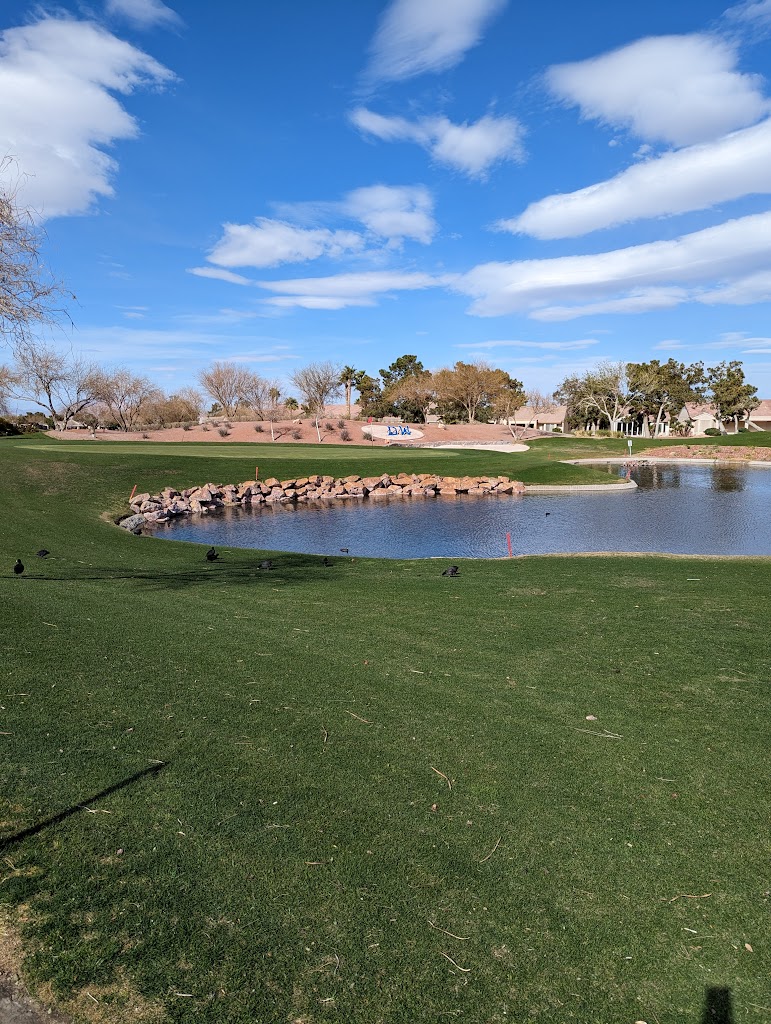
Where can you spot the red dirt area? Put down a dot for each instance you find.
(727, 453)
(286, 431)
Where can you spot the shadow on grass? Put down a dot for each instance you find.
(227, 569)
(7, 841)
(717, 1006)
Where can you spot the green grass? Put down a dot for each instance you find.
(297, 852)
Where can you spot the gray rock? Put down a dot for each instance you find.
(134, 522)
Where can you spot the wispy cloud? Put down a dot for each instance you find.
(547, 346)
(676, 89)
(342, 290)
(418, 36)
(58, 111)
(144, 13)
(472, 148)
(694, 178)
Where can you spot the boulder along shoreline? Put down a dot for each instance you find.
(148, 509)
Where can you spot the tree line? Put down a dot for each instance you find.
(652, 392)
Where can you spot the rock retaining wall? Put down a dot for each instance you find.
(159, 508)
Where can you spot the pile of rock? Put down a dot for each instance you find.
(159, 508)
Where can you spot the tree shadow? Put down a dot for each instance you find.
(7, 841)
(717, 1006)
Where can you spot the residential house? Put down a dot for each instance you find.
(550, 421)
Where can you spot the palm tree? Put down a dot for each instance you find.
(348, 377)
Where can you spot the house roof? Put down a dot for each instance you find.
(762, 411)
(554, 415)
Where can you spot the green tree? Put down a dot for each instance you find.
(348, 377)
(656, 389)
(731, 395)
(598, 395)
(415, 392)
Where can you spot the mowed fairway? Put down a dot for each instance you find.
(368, 793)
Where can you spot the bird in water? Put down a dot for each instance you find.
(18, 567)
(42, 553)
(326, 562)
(267, 564)
(211, 555)
(344, 550)
(452, 570)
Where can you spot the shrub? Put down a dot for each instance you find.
(227, 424)
(744, 430)
(204, 426)
(259, 428)
(329, 426)
(712, 432)
(186, 426)
(297, 434)
(223, 432)
(146, 437)
(8, 429)
(345, 434)
(341, 424)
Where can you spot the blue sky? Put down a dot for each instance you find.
(538, 185)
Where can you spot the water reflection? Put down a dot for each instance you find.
(682, 509)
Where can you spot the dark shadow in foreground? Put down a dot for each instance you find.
(8, 841)
(717, 1006)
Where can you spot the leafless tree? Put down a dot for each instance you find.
(317, 383)
(127, 397)
(63, 385)
(232, 385)
(29, 295)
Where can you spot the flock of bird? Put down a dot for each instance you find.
(212, 555)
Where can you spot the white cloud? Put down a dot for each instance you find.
(730, 262)
(144, 13)
(751, 12)
(679, 89)
(390, 212)
(640, 300)
(471, 148)
(268, 243)
(393, 212)
(217, 274)
(417, 36)
(57, 113)
(694, 178)
(342, 290)
(548, 346)
(744, 291)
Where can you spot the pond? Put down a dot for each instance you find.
(683, 509)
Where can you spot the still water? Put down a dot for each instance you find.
(681, 509)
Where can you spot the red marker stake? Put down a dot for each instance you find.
(133, 493)
(256, 472)
(508, 544)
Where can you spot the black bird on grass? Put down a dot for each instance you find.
(18, 567)
(42, 553)
(326, 562)
(267, 564)
(452, 570)
(211, 555)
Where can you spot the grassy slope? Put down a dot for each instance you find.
(286, 862)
